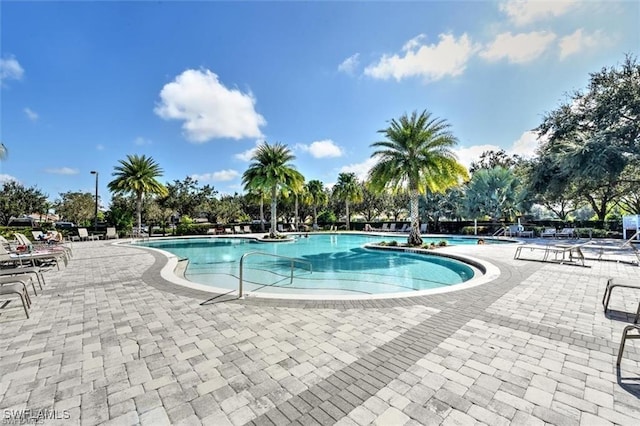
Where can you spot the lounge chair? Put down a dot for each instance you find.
(247, 229)
(84, 235)
(34, 258)
(32, 271)
(563, 254)
(392, 227)
(237, 230)
(566, 232)
(423, 228)
(111, 233)
(228, 231)
(385, 227)
(513, 230)
(548, 232)
(405, 228)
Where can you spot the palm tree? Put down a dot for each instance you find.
(349, 190)
(270, 171)
(3, 151)
(416, 157)
(316, 196)
(137, 175)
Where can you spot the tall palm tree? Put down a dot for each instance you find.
(272, 172)
(349, 190)
(416, 157)
(316, 196)
(137, 175)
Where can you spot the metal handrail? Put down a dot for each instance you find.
(292, 260)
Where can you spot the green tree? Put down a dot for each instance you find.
(372, 204)
(593, 136)
(272, 172)
(17, 200)
(490, 159)
(78, 207)
(186, 197)
(348, 190)
(137, 175)
(120, 213)
(496, 193)
(316, 197)
(416, 157)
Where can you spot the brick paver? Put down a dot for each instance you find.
(110, 341)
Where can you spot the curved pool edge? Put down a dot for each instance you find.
(490, 273)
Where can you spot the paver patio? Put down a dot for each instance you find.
(110, 342)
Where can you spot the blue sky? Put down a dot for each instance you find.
(196, 85)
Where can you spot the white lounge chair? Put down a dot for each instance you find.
(423, 228)
(548, 232)
(566, 232)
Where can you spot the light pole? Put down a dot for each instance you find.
(95, 217)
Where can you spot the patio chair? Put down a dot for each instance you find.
(237, 230)
(84, 235)
(423, 228)
(625, 336)
(405, 228)
(228, 231)
(385, 227)
(20, 291)
(111, 233)
(513, 230)
(247, 229)
(55, 246)
(613, 283)
(392, 227)
(548, 232)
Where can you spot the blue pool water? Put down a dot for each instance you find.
(335, 264)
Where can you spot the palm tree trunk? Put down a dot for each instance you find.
(347, 205)
(274, 214)
(414, 235)
(139, 212)
(262, 212)
(295, 219)
(315, 216)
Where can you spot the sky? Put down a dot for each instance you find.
(197, 85)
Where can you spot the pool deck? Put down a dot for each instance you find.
(110, 341)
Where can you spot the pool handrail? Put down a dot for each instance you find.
(292, 260)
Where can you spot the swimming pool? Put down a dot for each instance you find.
(325, 264)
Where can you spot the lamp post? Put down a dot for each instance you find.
(95, 217)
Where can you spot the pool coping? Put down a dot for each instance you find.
(167, 273)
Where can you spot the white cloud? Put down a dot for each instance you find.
(221, 176)
(518, 48)
(140, 141)
(100, 147)
(349, 65)
(7, 178)
(524, 146)
(360, 169)
(31, 114)
(432, 62)
(249, 153)
(208, 108)
(523, 12)
(10, 69)
(322, 149)
(63, 171)
(580, 41)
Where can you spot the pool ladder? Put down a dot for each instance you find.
(292, 261)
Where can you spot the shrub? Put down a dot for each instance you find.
(442, 243)
(393, 243)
